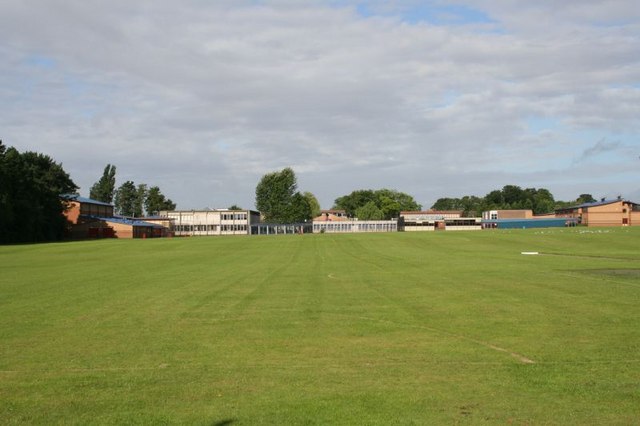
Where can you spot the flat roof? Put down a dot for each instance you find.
(426, 212)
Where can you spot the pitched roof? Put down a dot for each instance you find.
(330, 217)
(84, 200)
(596, 204)
(132, 222)
(125, 221)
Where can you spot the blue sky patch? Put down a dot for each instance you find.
(430, 13)
(40, 61)
(537, 124)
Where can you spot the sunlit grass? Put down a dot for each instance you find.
(324, 329)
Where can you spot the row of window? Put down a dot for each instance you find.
(209, 228)
(233, 216)
(351, 227)
(457, 222)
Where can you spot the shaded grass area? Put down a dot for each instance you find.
(316, 329)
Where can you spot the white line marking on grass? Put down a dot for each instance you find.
(331, 276)
(523, 359)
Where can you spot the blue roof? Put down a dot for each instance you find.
(131, 222)
(84, 200)
(126, 221)
(547, 222)
(596, 204)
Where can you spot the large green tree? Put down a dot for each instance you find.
(585, 198)
(314, 205)
(31, 185)
(277, 198)
(156, 201)
(125, 199)
(369, 212)
(141, 197)
(104, 188)
(509, 197)
(470, 205)
(390, 202)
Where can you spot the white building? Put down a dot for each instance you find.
(212, 222)
(433, 220)
(355, 226)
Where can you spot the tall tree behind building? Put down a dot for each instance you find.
(314, 205)
(156, 201)
(279, 201)
(125, 199)
(388, 201)
(104, 188)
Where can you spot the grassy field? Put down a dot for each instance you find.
(403, 328)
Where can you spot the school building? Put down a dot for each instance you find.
(604, 213)
(438, 220)
(212, 222)
(89, 218)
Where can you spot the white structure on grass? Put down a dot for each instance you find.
(355, 226)
(212, 222)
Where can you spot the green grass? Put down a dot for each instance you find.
(407, 328)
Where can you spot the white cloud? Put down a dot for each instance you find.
(202, 98)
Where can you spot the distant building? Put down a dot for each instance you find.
(437, 220)
(353, 226)
(507, 214)
(535, 222)
(603, 213)
(331, 216)
(212, 222)
(89, 218)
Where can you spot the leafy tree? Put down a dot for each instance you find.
(447, 204)
(314, 205)
(352, 202)
(369, 212)
(125, 199)
(104, 188)
(299, 210)
(513, 195)
(470, 205)
(543, 201)
(235, 207)
(141, 196)
(31, 185)
(585, 198)
(278, 200)
(156, 201)
(389, 201)
(509, 197)
(494, 200)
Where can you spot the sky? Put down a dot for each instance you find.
(433, 98)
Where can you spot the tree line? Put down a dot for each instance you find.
(128, 199)
(279, 201)
(31, 187)
(540, 201)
